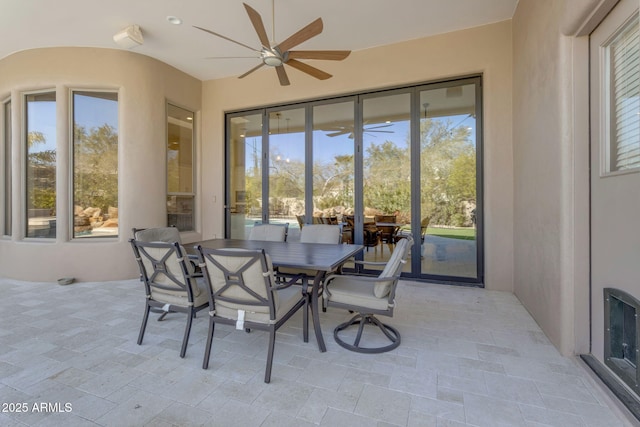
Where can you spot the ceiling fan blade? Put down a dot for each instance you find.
(251, 70)
(342, 132)
(329, 55)
(379, 126)
(301, 36)
(226, 38)
(258, 25)
(282, 76)
(232, 57)
(306, 68)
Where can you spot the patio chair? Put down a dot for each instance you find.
(368, 296)
(157, 234)
(312, 233)
(170, 282)
(243, 292)
(269, 232)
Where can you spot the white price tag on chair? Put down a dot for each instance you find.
(240, 321)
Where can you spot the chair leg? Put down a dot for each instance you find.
(367, 319)
(272, 344)
(144, 323)
(207, 348)
(187, 331)
(305, 319)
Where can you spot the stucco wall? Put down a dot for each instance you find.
(144, 85)
(550, 143)
(484, 50)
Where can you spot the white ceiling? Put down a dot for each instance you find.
(348, 24)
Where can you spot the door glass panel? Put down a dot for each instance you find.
(448, 232)
(286, 167)
(7, 168)
(386, 142)
(41, 165)
(245, 173)
(333, 165)
(180, 156)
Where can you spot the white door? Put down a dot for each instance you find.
(615, 161)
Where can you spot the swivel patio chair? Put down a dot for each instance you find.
(170, 282)
(269, 232)
(368, 297)
(243, 292)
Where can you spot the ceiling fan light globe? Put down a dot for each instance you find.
(272, 61)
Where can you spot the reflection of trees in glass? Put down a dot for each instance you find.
(96, 167)
(333, 182)
(286, 179)
(448, 172)
(387, 178)
(41, 179)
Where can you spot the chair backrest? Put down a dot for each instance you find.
(157, 234)
(300, 219)
(321, 233)
(164, 269)
(424, 224)
(385, 218)
(269, 232)
(393, 269)
(239, 279)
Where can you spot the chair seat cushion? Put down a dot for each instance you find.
(287, 299)
(200, 296)
(352, 291)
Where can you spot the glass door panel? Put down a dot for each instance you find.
(386, 143)
(286, 167)
(448, 157)
(244, 201)
(333, 165)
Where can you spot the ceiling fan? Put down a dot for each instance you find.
(348, 130)
(276, 55)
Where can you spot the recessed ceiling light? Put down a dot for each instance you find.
(174, 20)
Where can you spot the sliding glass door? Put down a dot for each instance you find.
(384, 165)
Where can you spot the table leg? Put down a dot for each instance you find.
(315, 312)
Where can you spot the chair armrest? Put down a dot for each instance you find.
(378, 263)
(292, 281)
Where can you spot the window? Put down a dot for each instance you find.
(180, 160)
(622, 55)
(41, 164)
(95, 164)
(7, 168)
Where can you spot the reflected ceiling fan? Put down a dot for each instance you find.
(276, 55)
(344, 130)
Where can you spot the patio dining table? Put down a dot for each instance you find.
(321, 257)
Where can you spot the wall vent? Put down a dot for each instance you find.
(621, 336)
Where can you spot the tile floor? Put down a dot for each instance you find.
(469, 357)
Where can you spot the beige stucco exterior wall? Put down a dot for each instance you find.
(144, 86)
(485, 50)
(551, 157)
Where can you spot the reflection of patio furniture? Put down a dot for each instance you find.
(424, 223)
(388, 228)
(300, 219)
(371, 235)
(423, 227)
